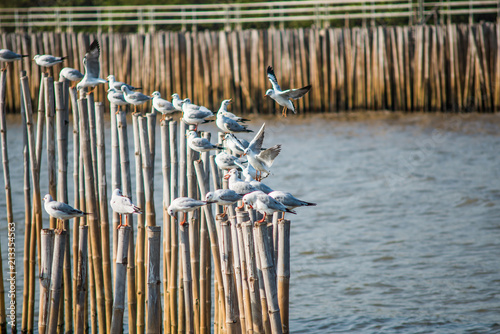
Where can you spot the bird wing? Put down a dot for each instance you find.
(296, 93)
(267, 157)
(239, 145)
(91, 60)
(257, 141)
(63, 207)
(230, 196)
(272, 78)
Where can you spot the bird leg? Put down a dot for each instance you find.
(283, 113)
(119, 225)
(135, 110)
(241, 206)
(118, 111)
(126, 220)
(282, 217)
(184, 219)
(261, 221)
(223, 214)
(92, 90)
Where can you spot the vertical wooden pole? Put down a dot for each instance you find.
(174, 230)
(47, 240)
(115, 175)
(165, 168)
(56, 280)
(284, 272)
(187, 279)
(153, 324)
(81, 279)
(51, 147)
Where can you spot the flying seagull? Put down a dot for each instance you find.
(92, 70)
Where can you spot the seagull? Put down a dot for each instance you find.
(117, 84)
(223, 110)
(123, 205)
(223, 197)
(225, 160)
(257, 184)
(288, 200)
(8, 56)
(184, 204)
(236, 145)
(237, 185)
(135, 98)
(177, 102)
(229, 125)
(70, 74)
(283, 96)
(116, 97)
(265, 204)
(193, 114)
(60, 211)
(200, 144)
(261, 160)
(47, 60)
(92, 70)
(162, 105)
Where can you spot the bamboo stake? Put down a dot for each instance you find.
(103, 210)
(56, 280)
(165, 167)
(186, 274)
(237, 269)
(8, 195)
(121, 122)
(139, 189)
(154, 279)
(174, 230)
(47, 240)
(93, 219)
(81, 279)
(115, 175)
(284, 272)
(51, 147)
(247, 306)
(120, 280)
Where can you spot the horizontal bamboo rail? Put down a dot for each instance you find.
(420, 68)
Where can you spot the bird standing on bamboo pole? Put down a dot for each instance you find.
(8, 56)
(135, 98)
(193, 114)
(291, 202)
(223, 197)
(47, 60)
(163, 106)
(60, 211)
(265, 204)
(184, 204)
(123, 205)
(70, 74)
(116, 97)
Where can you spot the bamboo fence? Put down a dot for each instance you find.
(454, 67)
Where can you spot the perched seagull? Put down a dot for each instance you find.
(288, 200)
(257, 184)
(92, 68)
(229, 125)
(135, 98)
(116, 97)
(283, 96)
(8, 56)
(236, 145)
(261, 160)
(184, 204)
(162, 105)
(122, 205)
(225, 161)
(60, 211)
(47, 60)
(265, 204)
(237, 185)
(70, 74)
(200, 144)
(177, 102)
(118, 84)
(223, 110)
(193, 114)
(223, 197)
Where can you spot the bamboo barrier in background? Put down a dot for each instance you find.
(412, 68)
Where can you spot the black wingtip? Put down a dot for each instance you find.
(93, 46)
(64, 57)
(291, 211)
(22, 56)
(308, 87)
(270, 70)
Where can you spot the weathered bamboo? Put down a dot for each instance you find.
(237, 269)
(93, 218)
(115, 175)
(140, 243)
(148, 171)
(121, 122)
(120, 280)
(283, 273)
(153, 324)
(174, 230)
(8, 195)
(186, 274)
(56, 280)
(81, 279)
(242, 216)
(103, 209)
(51, 146)
(47, 240)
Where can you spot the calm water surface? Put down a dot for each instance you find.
(405, 237)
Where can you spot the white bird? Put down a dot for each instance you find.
(123, 205)
(256, 184)
(112, 83)
(184, 204)
(8, 56)
(261, 160)
(162, 105)
(70, 74)
(288, 200)
(47, 60)
(229, 125)
(92, 68)
(200, 144)
(223, 197)
(225, 161)
(177, 102)
(236, 145)
(223, 110)
(283, 96)
(60, 211)
(135, 98)
(265, 204)
(194, 114)
(116, 97)
(236, 184)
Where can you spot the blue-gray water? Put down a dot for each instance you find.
(405, 237)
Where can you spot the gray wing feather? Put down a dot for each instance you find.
(296, 93)
(272, 78)
(269, 155)
(92, 60)
(256, 143)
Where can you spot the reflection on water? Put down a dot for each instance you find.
(405, 235)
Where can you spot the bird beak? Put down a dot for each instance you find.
(244, 154)
(251, 207)
(226, 176)
(230, 101)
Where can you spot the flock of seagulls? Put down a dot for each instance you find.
(250, 192)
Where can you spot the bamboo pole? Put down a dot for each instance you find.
(174, 230)
(115, 175)
(187, 279)
(81, 279)
(262, 293)
(56, 280)
(8, 195)
(47, 240)
(284, 272)
(51, 147)
(165, 168)
(148, 170)
(247, 306)
(120, 280)
(121, 122)
(103, 210)
(93, 218)
(237, 270)
(153, 324)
